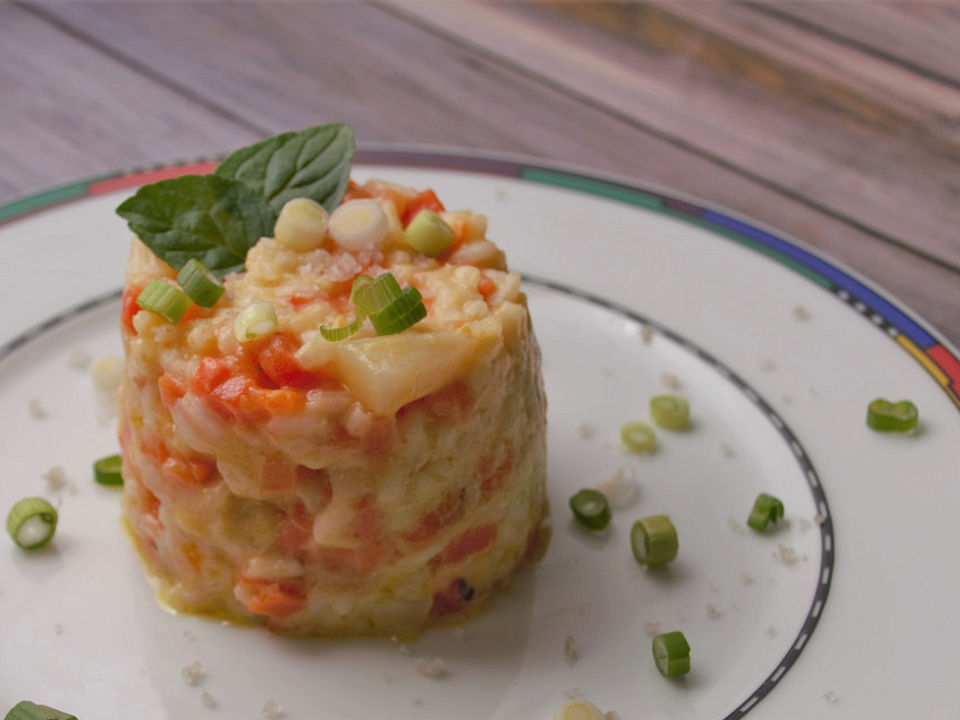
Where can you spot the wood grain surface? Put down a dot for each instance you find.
(839, 127)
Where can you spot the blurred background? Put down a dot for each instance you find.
(837, 122)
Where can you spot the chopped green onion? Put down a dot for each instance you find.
(199, 283)
(373, 296)
(359, 225)
(390, 309)
(32, 522)
(428, 233)
(654, 540)
(255, 322)
(591, 509)
(670, 412)
(406, 310)
(886, 416)
(26, 710)
(301, 225)
(578, 710)
(671, 653)
(360, 282)
(766, 509)
(336, 334)
(106, 470)
(165, 300)
(638, 437)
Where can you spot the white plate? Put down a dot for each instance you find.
(853, 617)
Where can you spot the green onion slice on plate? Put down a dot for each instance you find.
(165, 300)
(638, 437)
(886, 416)
(671, 653)
(26, 710)
(671, 412)
(591, 509)
(31, 523)
(766, 509)
(654, 540)
(199, 284)
(106, 470)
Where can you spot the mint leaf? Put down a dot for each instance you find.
(210, 218)
(313, 163)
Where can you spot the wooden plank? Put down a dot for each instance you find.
(751, 92)
(444, 92)
(68, 112)
(920, 35)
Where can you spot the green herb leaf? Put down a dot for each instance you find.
(313, 163)
(207, 217)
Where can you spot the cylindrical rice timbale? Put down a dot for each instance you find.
(372, 485)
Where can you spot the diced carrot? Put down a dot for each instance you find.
(189, 315)
(295, 528)
(211, 372)
(283, 401)
(467, 543)
(301, 301)
(450, 510)
(493, 478)
(129, 307)
(451, 402)
(355, 192)
(367, 521)
(277, 600)
(279, 474)
(170, 390)
(192, 471)
(192, 556)
(486, 286)
(425, 200)
(278, 361)
(154, 447)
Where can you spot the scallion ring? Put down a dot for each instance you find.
(654, 540)
(671, 412)
(638, 437)
(390, 309)
(578, 709)
(26, 710)
(373, 296)
(407, 309)
(886, 416)
(106, 470)
(428, 233)
(336, 334)
(165, 300)
(31, 523)
(671, 653)
(591, 509)
(199, 284)
(256, 321)
(766, 509)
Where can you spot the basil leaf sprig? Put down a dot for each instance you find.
(217, 218)
(199, 216)
(313, 163)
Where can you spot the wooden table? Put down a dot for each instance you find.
(836, 124)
